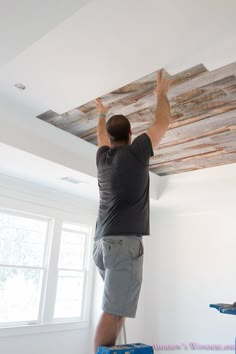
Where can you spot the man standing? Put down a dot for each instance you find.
(123, 217)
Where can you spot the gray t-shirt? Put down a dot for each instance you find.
(123, 180)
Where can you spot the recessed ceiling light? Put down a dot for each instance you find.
(20, 86)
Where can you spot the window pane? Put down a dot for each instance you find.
(20, 291)
(22, 240)
(72, 250)
(69, 294)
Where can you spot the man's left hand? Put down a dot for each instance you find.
(101, 108)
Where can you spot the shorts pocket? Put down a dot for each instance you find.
(97, 255)
(136, 250)
(115, 254)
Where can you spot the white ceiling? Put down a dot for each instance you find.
(24, 22)
(107, 44)
(23, 165)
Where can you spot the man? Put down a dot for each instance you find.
(123, 216)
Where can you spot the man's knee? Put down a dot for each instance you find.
(116, 318)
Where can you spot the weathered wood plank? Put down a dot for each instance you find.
(47, 115)
(197, 147)
(203, 105)
(195, 163)
(142, 88)
(203, 79)
(192, 131)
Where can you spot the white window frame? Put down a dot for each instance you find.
(85, 271)
(45, 322)
(43, 267)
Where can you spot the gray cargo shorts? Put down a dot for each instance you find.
(119, 260)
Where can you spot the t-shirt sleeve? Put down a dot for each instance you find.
(100, 152)
(141, 147)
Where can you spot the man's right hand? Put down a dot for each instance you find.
(162, 115)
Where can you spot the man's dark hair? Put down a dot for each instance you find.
(118, 128)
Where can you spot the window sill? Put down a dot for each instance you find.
(41, 328)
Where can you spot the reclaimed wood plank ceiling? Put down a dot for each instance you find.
(203, 103)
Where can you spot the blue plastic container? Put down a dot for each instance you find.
(134, 348)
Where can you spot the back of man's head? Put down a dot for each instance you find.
(118, 128)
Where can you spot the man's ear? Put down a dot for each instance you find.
(130, 136)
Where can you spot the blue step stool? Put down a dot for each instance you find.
(134, 348)
(225, 308)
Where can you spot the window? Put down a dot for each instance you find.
(22, 266)
(72, 271)
(44, 265)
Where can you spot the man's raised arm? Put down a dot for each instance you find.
(162, 115)
(101, 127)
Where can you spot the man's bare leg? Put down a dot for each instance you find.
(108, 329)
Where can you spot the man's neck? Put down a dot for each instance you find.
(118, 144)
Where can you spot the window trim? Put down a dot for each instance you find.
(43, 267)
(27, 329)
(55, 221)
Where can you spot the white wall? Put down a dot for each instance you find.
(191, 259)
(53, 339)
(189, 262)
(63, 342)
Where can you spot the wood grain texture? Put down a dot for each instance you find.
(203, 103)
